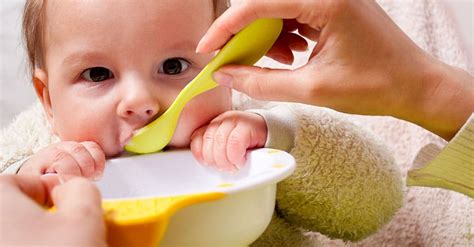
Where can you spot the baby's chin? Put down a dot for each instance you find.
(113, 150)
(114, 153)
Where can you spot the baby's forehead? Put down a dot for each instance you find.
(138, 21)
(126, 9)
(145, 10)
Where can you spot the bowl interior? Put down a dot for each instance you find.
(176, 172)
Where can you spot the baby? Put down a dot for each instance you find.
(103, 69)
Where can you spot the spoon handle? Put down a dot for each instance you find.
(245, 48)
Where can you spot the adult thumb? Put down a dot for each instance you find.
(260, 83)
(78, 197)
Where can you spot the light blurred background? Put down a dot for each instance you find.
(17, 93)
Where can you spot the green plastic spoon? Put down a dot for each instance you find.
(245, 48)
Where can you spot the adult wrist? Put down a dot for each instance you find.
(446, 99)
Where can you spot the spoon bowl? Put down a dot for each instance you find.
(245, 48)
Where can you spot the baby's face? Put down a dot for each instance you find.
(111, 67)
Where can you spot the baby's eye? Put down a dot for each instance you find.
(97, 74)
(173, 66)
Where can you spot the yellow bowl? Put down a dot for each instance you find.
(169, 197)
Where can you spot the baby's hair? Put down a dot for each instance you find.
(33, 29)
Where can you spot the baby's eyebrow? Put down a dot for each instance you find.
(78, 58)
(186, 44)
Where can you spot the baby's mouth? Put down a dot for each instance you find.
(128, 134)
(124, 141)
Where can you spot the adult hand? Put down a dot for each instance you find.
(362, 63)
(24, 222)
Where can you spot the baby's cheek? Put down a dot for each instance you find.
(98, 129)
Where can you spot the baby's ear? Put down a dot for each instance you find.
(40, 82)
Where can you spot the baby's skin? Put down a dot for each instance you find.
(111, 67)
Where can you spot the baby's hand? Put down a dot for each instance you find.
(223, 143)
(84, 159)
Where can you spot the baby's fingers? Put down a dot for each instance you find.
(220, 146)
(208, 143)
(196, 143)
(237, 143)
(64, 164)
(42, 161)
(83, 158)
(98, 156)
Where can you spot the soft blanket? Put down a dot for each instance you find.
(429, 217)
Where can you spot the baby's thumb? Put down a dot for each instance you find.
(259, 83)
(78, 197)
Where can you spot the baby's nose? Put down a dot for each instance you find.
(144, 111)
(138, 104)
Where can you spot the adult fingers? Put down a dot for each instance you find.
(309, 32)
(37, 188)
(67, 201)
(282, 50)
(84, 211)
(266, 84)
(290, 25)
(243, 13)
(31, 186)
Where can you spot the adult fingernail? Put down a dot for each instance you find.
(222, 79)
(51, 174)
(199, 46)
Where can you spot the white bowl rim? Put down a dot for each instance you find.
(275, 165)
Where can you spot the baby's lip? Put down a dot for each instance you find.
(127, 138)
(129, 132)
